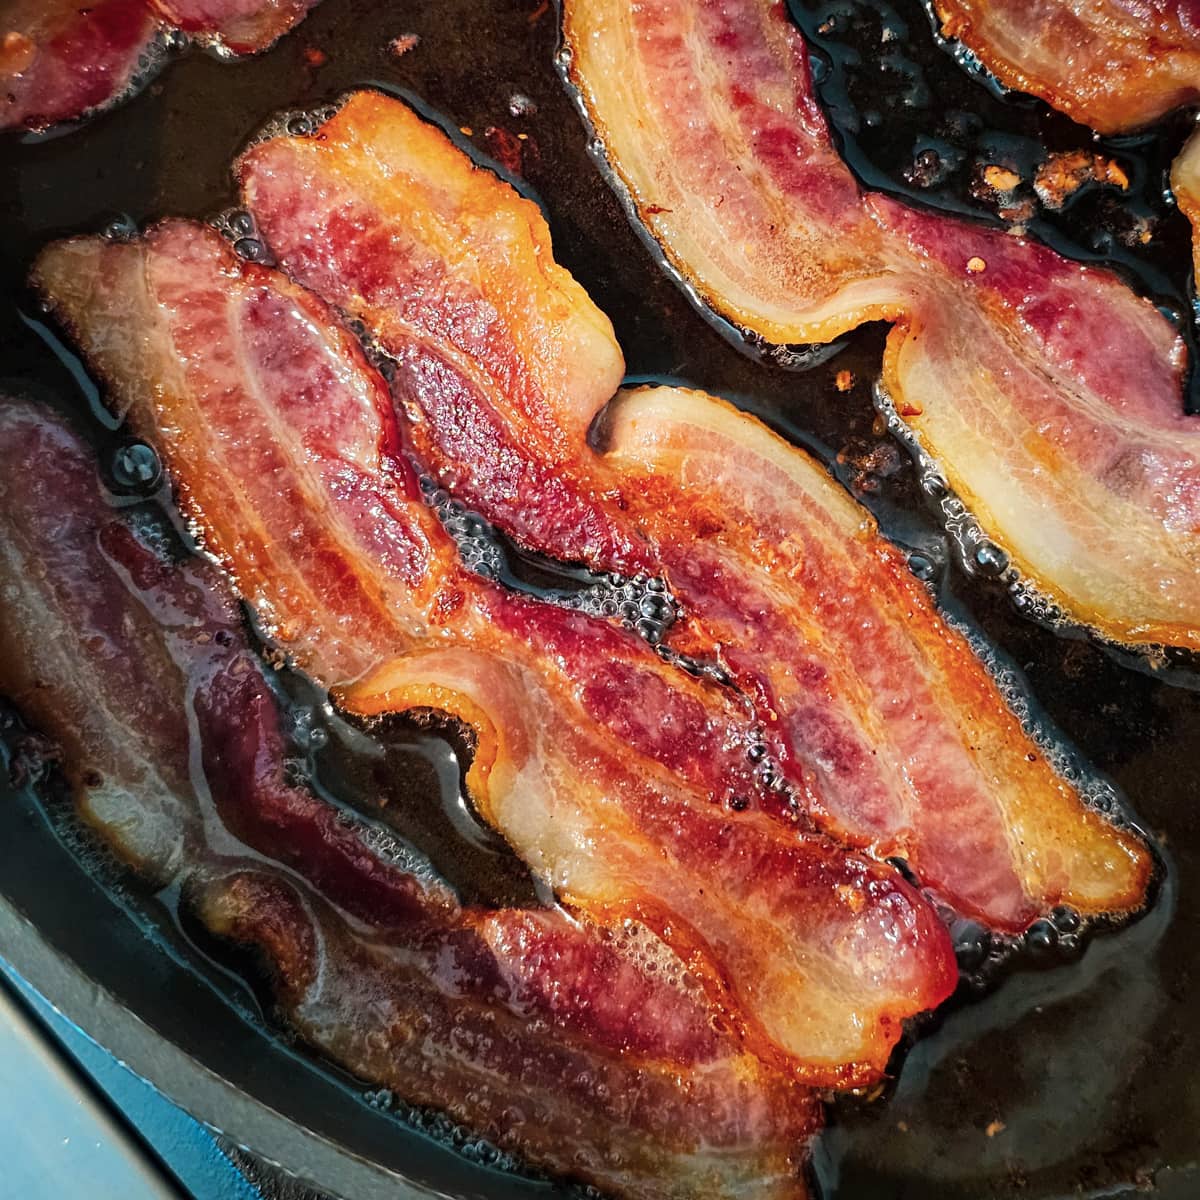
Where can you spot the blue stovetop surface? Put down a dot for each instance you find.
(73, 1110)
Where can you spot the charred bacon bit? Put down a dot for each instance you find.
(588, 1051)
(1064, 172)
(270, 422)
(1049, 393)
(911, 747)
(61, 60)
(1107, 64)
(492, 1024)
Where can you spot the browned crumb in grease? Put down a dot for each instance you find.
(1003, 179)
(1001, 186)
(16, 53)
(401, 45)
(1066, 171)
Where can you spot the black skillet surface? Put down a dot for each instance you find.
(1070, 1079)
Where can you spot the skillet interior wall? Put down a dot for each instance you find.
(1087, 1065)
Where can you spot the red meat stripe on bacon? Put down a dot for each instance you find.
(889, 726)
(585, 1050)
(284, 450)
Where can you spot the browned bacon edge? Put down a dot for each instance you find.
(1185, 182)
(584, 1050)
(1110, 65)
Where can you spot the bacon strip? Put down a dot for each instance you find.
(236, 26)
(284, 450)
(61, 60)
(1048, 392)
(585, 1050)
(472, 1024)
(1109, 64)
(122, 733)
(877, 702)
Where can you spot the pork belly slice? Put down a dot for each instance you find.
(61, 59)
(891, 728)
(586, 1050)
(1049, 393)
(284, 450)
(1111, 65)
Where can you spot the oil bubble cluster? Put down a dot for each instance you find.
(239, 227)
(985, 956)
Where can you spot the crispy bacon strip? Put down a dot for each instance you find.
(62, 59)
(913, 750)
(585, 1050)
(284, 449)
(798, 928)
(1111, 64)
(1047, 391)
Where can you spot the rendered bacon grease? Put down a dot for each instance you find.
(584, 1050)
(890, 729)
(1048, 393)
(60, 59)
(1109, 66)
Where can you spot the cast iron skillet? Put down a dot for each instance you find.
(1088, 1066)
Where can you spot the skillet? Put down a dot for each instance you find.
(1087, 1066)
